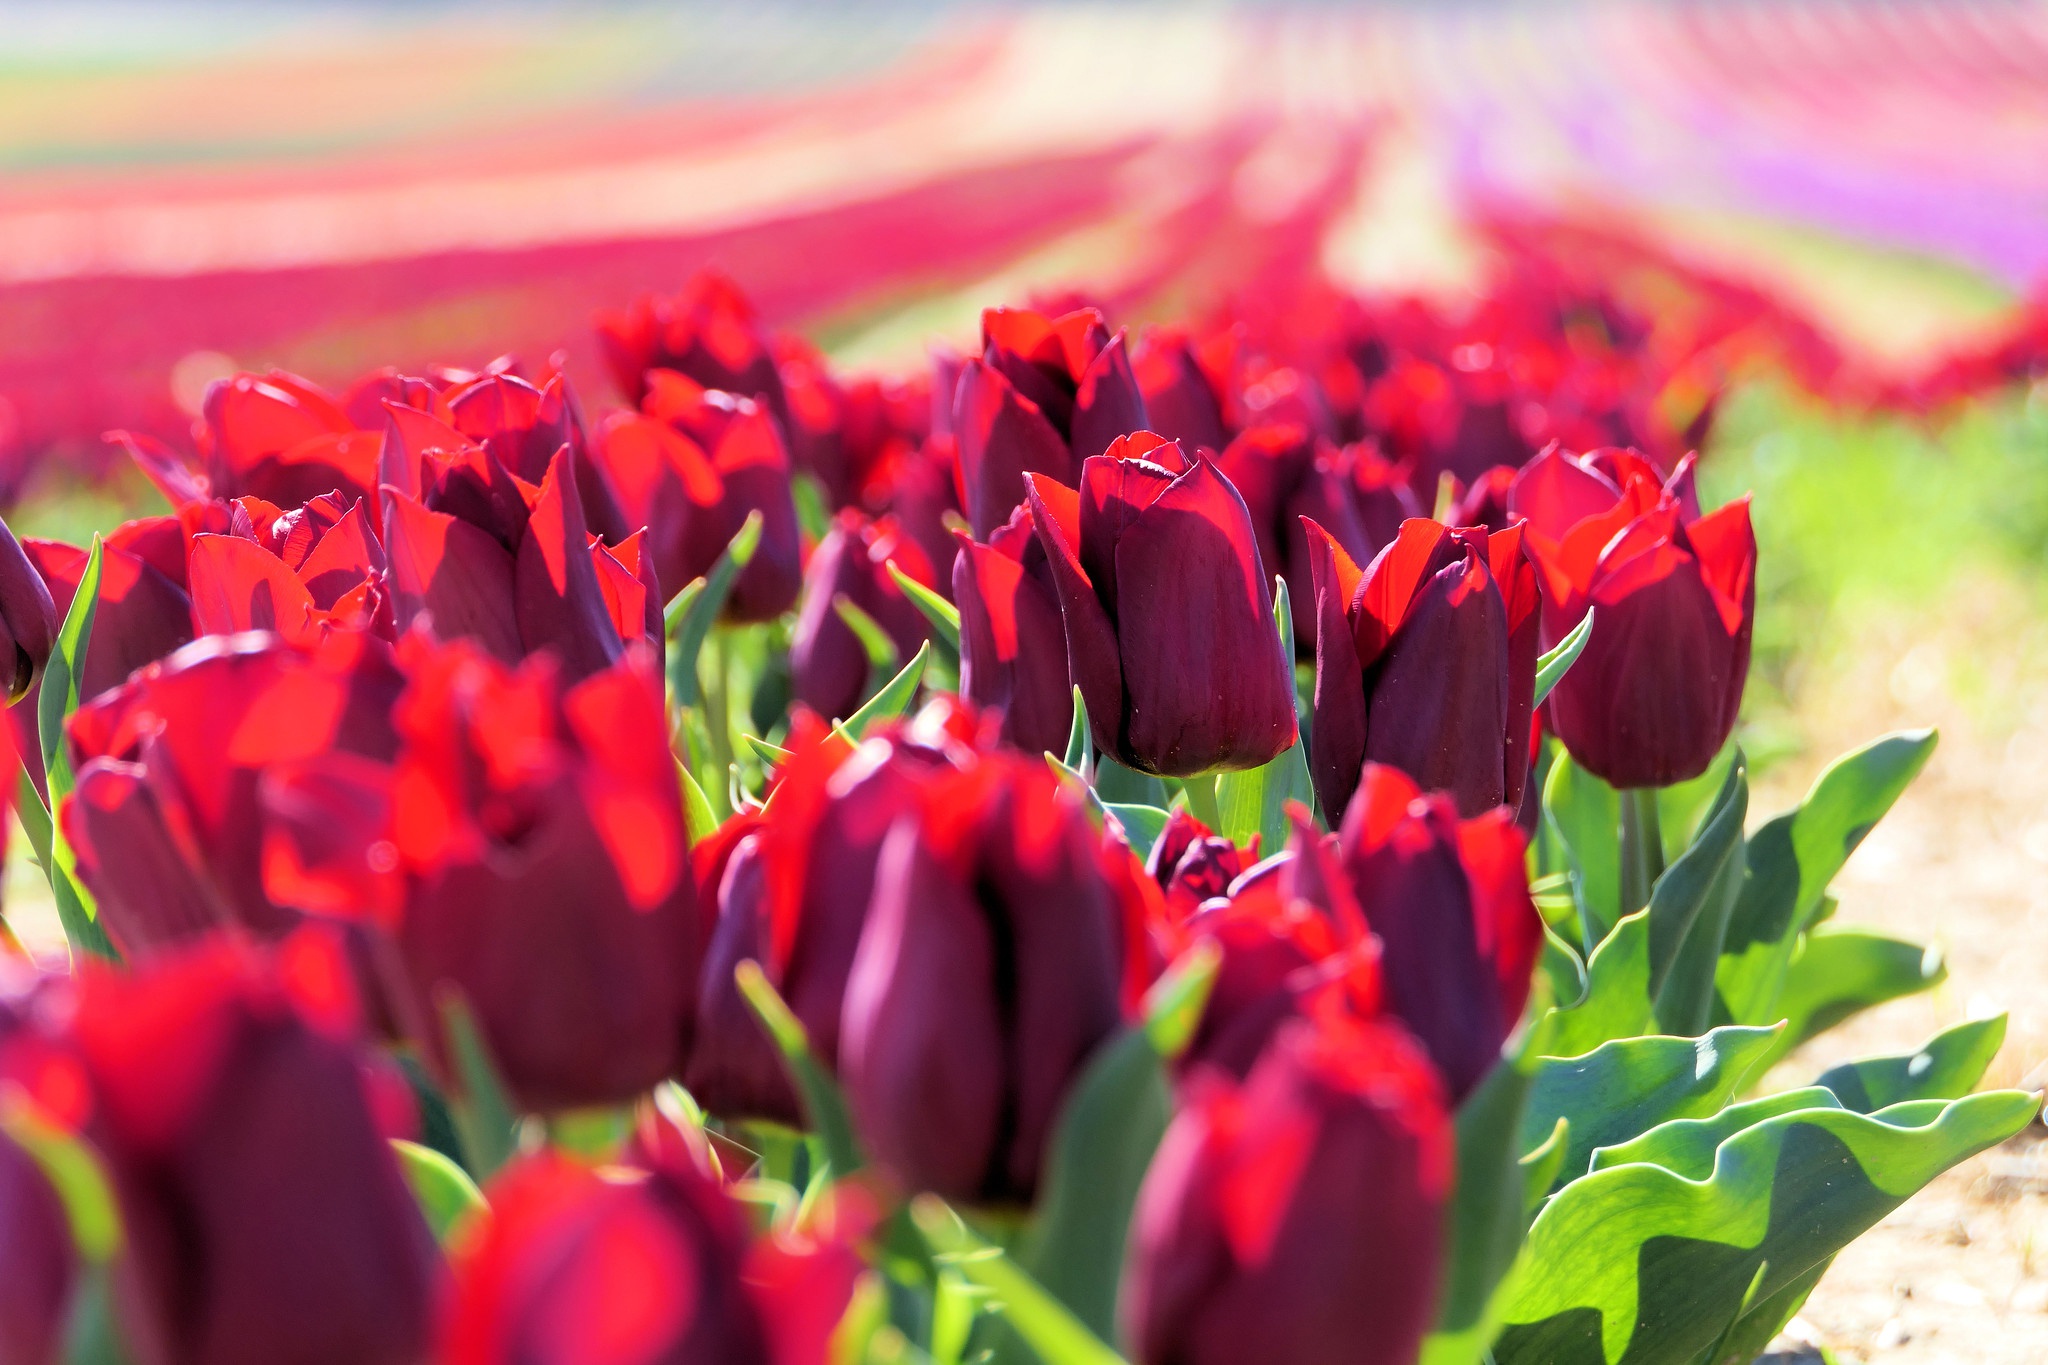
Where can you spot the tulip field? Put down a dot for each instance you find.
(905, 714)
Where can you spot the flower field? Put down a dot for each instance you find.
(791, 688)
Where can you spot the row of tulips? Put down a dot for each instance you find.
(865, 1032)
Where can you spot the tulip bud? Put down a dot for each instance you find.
(1192, 864)
(828, 664)
(1658, 686)
(1427, 661)
(264, 1212)
(28, 617)
(1164, 597)
(1013, 647)
(989, 970)
(1449, 901)
(1297, 1217)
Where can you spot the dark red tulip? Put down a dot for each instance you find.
(1658, 687)
(989, 970)
(848, 431)
(1046, 394)
(1449, 900)
(1182, 402)
(264, 1213)
(1164, 597)
(1013, 646)
(1485, 502)
(793, 896)
(1193, 864)
(524, 428)
(656, 1267)
(1283, 474)
(38, 1262)
(828, 663)
(1381, 498)
(300, 574)
(1426, 660)
(1297, 1217)
(168, 818)
(280, 438)
(708, 332)
(539, 834)
(28, 618)
(689, 469)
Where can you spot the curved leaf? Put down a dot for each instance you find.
(824, 1105)
(1553, 664)
(894, 698)
(445, 1194)
(1836, 972)
(689, 618)
(1945, 1069)
(1053, 1332)
(1689, 909)
(944, 616)
(1616, 1001)
(1584, 814)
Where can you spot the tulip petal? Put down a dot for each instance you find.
(1725, 544)
(149, 895)
(451, 572)
(557, 599)
(238, 585)
(345, 557)
(1002, 437)
(1108, 403)
(1339, 710)
(1092, 655)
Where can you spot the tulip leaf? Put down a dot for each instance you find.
(1174, 1004)
(698, 818)
(1648, 1262)
(1080, 742)
(445, 1193)
(1253, 802)
(1689, 908)
(1631, 1085)
(1556, 661)
(1683, 807)
(824, 1104)
(1616, 1002)
(773, 754)
(1838, 971)
(1793, 857)
(1142, 825)
(1584, 814)
(74, 1172)
(1945, 1069)
(485, 1121)
(690, 616)
(1127, 786)
(883, 656)
(944, 616)
(1561, 967)
(1046, 1325)
(76, 909)
(894, 698)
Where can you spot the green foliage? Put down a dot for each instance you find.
(1558, 659)
(824, 1105)
(893, 698)
(694, 611)
(486, 1123)
(1254, 801)
(444, 1192)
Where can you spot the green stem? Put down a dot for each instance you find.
(1201, 795)
(1642, 847)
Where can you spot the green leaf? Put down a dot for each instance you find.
(1945, 1069)
(824, 1105)
(773, 754)
(1562, 968)
(1793, 857)
(1684, 806)
(698, 819)
(1584, 814)
(1837, 972)
(1127, 786)
(944, 616)
(690, 616)
(1050, 1329)
(74, 1172)
(1631, 1085)
(485, 1120)
(1254, 801)
(1689, 908)
(445, 1194)
(77, 910)
(1080, 743)
(894, 698)
(883, 656)
(1174, 1004)
(699, 756)
(1142, 825)
(1552, 666)
(1642, 1264)
(1616, 1002)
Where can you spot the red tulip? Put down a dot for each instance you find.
(1164, 597)
(989, 970)
(524, 428)
(1284, 475)
(1013, 646)
(690, 468)
(1047, 394)
(848, 432)
(1182, 398)
(654, 1267)
(1193, 864)
(707, 332)
(538, 832)
(1658, 687)
(1381, 499)
(282, 439)
(1426, 660)
(300, 574)
(1297, 1217)
(1485, 502)
(1449, 900)
(28, 618)
(264, 1213)
(38, 1262)
(828, 664)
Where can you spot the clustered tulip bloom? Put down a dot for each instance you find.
(828, 662)
(1013, 646)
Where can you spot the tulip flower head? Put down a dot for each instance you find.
(1013, 645)
(28, 618)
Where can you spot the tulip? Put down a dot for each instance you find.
(828, 663)
(1193, 864)
(690, 469)
(1449, 900)
(1046, 394)
(1182, 398)
(264, 1213)
(1425, 660)
(317, 568)
(1380, 496)
(1013, 647)
(794, 895)
(280, 438)
(38, 1262)
(708, 332)
(539, 835)
(143, 614)
(848, 432)
(1168, 611)
(989, 970)
(1657, 689)
(524, 428)
(1283, 476)
(1485, 502)
(1297, 1217)
(168, 817)
(28, 617)
(621, 1264)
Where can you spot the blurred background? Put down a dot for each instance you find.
(191, 189)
